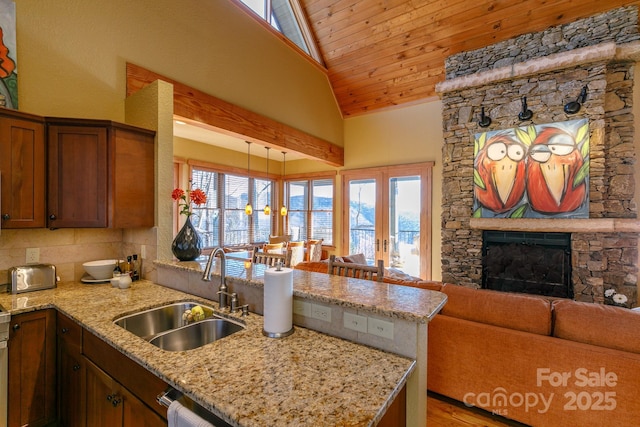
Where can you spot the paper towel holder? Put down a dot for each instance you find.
(277, 334)
(278, 267)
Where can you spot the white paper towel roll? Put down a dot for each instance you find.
(278, 302)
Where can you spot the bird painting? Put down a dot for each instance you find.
(555, 173)
(500, 178)
(536, 171)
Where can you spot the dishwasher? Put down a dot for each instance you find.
(5, 318)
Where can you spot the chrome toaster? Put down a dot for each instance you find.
(32, 277)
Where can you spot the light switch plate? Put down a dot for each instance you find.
(321, 312)
(355, 322)
(380, 328)
(301, 308)
(33, 255)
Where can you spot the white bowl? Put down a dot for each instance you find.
(101, 269)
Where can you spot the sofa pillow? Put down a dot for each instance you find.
(355, 258)
(597, 324)
(505, 309)
(398, 274)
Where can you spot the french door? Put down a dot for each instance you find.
(387, 215)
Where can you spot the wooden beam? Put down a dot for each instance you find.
(207, 111)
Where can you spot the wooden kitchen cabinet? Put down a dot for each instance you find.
(22, 170)
(71, 373)
(99, 386)
(109, 404)
(100, 174)
(32, 369)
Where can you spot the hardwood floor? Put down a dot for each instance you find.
(445, 412)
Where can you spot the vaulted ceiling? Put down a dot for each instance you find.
(384, 53)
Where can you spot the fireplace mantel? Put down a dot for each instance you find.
(595, 225)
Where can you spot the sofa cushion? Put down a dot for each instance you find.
(415, 283)
(355, 258)
(316, 266)
(508, 310)
(597, 324)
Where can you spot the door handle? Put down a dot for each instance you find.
(385, 245)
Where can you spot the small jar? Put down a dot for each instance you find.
(125, 281)
(115, 280)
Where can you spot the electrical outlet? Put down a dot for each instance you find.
(380, 328)
(33, 255)
(321, 312)
(301, 308)
(143, 252)
(355, 322)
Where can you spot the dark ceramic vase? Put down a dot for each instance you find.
(187, 245)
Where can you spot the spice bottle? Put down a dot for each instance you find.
(116, 270)
(135, 268)
(128, 267)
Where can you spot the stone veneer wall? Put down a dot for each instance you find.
(600, 261)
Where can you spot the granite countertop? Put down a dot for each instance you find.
(306, 379)
(397, 301)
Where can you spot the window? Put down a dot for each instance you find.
(286, 17)
(310, 204)
(222, 220)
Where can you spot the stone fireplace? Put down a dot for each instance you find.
(550, 68)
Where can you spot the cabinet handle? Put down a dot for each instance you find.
(16, 327)
(115, 401)
(65, 330)
(109, 397)
(76, 367)
(385, 245)
(52, 216)
(377, 245)
(6, 217)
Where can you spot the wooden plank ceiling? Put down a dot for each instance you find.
(384, 53)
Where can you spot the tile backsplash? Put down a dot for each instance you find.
(67, 249)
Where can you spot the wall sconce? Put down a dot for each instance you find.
(248, 209)
(574, 106)
(267, 208)
(525, 114)
(485, 121)
(283, 209)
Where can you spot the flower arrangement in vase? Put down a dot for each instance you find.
(187, 244)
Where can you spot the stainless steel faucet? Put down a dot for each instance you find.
(206, 276)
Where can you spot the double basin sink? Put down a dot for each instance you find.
(170, 328)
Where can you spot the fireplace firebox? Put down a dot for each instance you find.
(532, 263)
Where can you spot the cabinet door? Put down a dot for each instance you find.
(71, 377)
(77, 176)
(137, 414)
(32, 369)
(71, 373)
(104, 401)
(22, 173)
(132, 178)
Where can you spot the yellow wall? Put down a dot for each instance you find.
(403, 135)
(72, 56)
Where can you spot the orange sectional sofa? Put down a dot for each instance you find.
(539, 361)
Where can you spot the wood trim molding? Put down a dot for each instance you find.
(558, 225)
(206, 111)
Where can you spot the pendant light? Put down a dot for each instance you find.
(267, 208)
(283, 209)
(248, 209)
